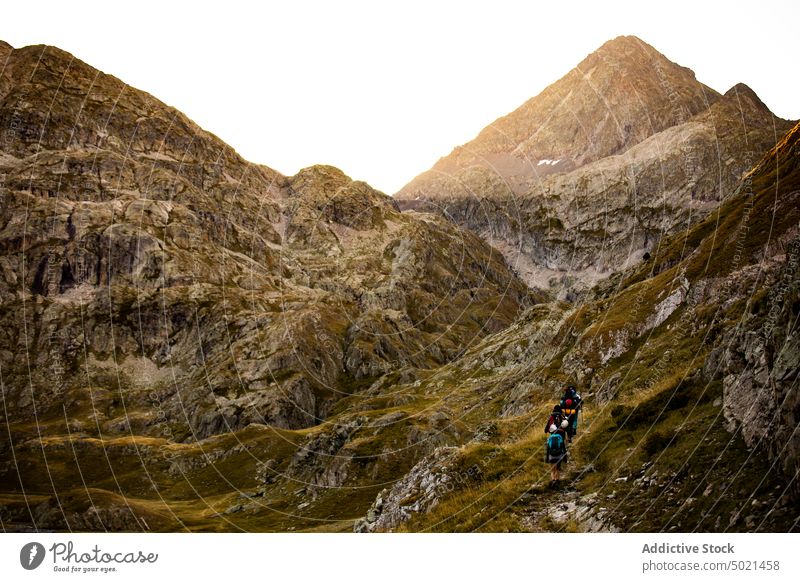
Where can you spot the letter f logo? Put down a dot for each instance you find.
(31, 555)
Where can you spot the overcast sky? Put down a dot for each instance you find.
(383, 89)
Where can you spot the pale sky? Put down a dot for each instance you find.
(383, 89)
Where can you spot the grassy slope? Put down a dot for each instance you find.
(658, 456)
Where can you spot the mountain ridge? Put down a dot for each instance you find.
(636, 180)
(190, 342)
(107, 188)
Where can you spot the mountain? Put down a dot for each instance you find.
(689, 367)
(192, 342)
(615, 98)
(585, 178)
(159, 290)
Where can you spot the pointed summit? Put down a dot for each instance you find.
(623, 46)
(742, 93)
(618, 96)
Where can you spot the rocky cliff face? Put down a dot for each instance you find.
(193, 342)
(155, 284)
(758, 361)
(585, 178)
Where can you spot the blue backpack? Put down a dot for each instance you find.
(555, 448)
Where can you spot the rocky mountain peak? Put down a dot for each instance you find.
(626, 49)
(618, 96)
(744, 94)
(326, 193)
(319, 178)
(58, 102)
(632, 50)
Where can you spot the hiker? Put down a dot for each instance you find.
(570, 407)
(555, 418)
(556, 451)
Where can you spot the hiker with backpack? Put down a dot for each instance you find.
(556, 450)
(555, 418)
(570, 407)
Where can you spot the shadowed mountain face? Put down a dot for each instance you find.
(155, 284)
(189, 341)
(585, 178)
(134, 236)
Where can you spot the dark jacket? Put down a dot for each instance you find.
(555, 418)
(571, 412)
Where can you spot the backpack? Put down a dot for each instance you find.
(555, 449)
(554, 418)
(571, 409)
